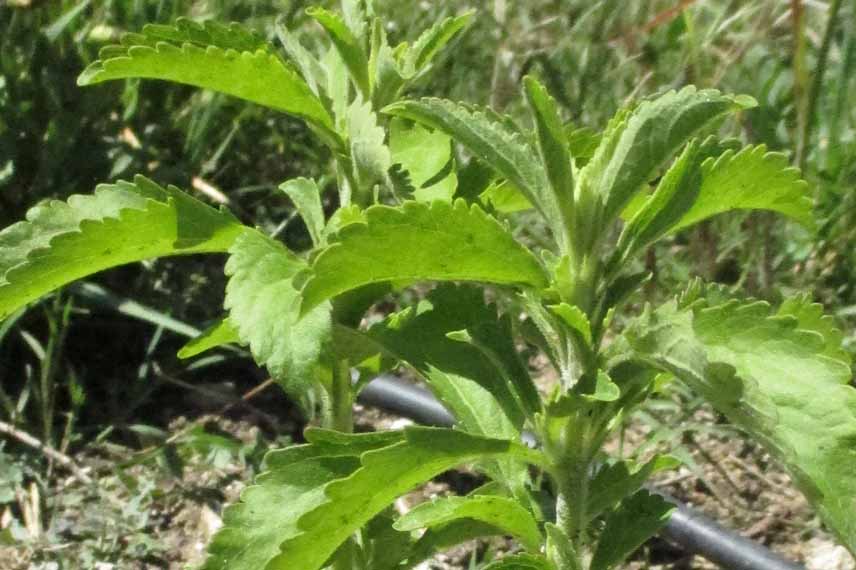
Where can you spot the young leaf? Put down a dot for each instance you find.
(520, 562)
(781, 377)
(675, 195)
(356, 14)
(615, 482)
(560, 548)
(264, 307)
(505, 198)
(307, 199)
(338, 87)
(582, 142)
(348, 45)
(425, 155)
(310, 68)
(605, 390)
(493, 142)
(369, 151)
(636, 520)
(574, 318)
(641, 141)
(385, 74)
(432, 40)
(385, 474)
(296, 476)
(117, 224)
(500, 512)
(466, 245)
(220, 333)
(226, 61)
(553, 148)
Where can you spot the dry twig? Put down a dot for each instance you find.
(47, 450)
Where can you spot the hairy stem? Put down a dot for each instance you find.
(573, 490)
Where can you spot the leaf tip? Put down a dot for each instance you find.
(745, 101)
(89, 76)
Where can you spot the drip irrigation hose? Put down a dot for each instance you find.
(694, 532)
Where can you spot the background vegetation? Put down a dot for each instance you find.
(93, 375)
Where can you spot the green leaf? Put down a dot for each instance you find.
(337, 87)
(810, 315)
(636, 520)
(296, 476)
(612, 483)
(370, 154)
(348, 45)
(425, 155)
(554, 151)
(264, 307)
(460, 374)
(385, 474)
(254, 528)
(313, 72)
(227, 60)
(203, 34)
(751, 179)
(560, 548)
(356, 14)
(500, 512)
(510, 370)
(505, 198)
(675, 194)
(342, 217)
(640, 141)
(220, 333)
(445, 536)
(433, 40)
(780, 376)
(520, 562)
(582, 142)
(385, 74)
(387, 547)
(466, 380)
(465, 244)
(491, 141)
(117, 224)
(605, 390)
(574, 318)
(307, 199)
(704, 182)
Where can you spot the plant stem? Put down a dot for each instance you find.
(342, 404)
(571, 502)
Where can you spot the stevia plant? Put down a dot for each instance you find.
(778, 373)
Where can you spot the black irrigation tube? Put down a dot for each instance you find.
(693, 531)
